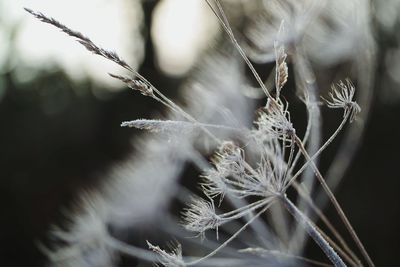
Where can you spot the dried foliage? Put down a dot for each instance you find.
(252, 168)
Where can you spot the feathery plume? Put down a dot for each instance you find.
(135, 84)
(82, 39)
(200, 217)
(342, 97)
(274, 120)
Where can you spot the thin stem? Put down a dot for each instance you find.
(130, 250)
(290, 160)
(336, 247)
(325, 220)
(169, 103)
(322, 148)
(312, 231)
(236, 214)
(268, 253)
(335, 203)
(112, 56)
(230, 239)
(305, 140)
(225, 24)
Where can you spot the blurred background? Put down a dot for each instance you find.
(60, 112)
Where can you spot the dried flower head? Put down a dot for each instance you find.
(172, 259)
(229, 148)
(213, 184)
(229, 159)
(200, 217)
(342, 97)
(233, 175)
(274, 121)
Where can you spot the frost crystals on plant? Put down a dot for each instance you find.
(342, 97)
(274, 121)
(201, 216)
(172, 259)
(250, 182)
(135, 84)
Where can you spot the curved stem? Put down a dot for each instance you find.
(322, 148)
(305, 139)
(230, 239)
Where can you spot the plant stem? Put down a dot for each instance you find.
(220, 14)
(320, 150)
(223, 245)
(335, 203)
(312, 231)
(324, 219)
(130, 250)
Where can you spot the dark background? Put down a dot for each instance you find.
(45, 160)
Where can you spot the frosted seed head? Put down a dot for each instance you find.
(229, 159)
(172, 259)
(201, 216)
(229, 148)
(341, 96)
(274, 120)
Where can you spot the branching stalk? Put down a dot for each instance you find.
(230, 239)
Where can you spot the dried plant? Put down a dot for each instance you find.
(253, 167)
